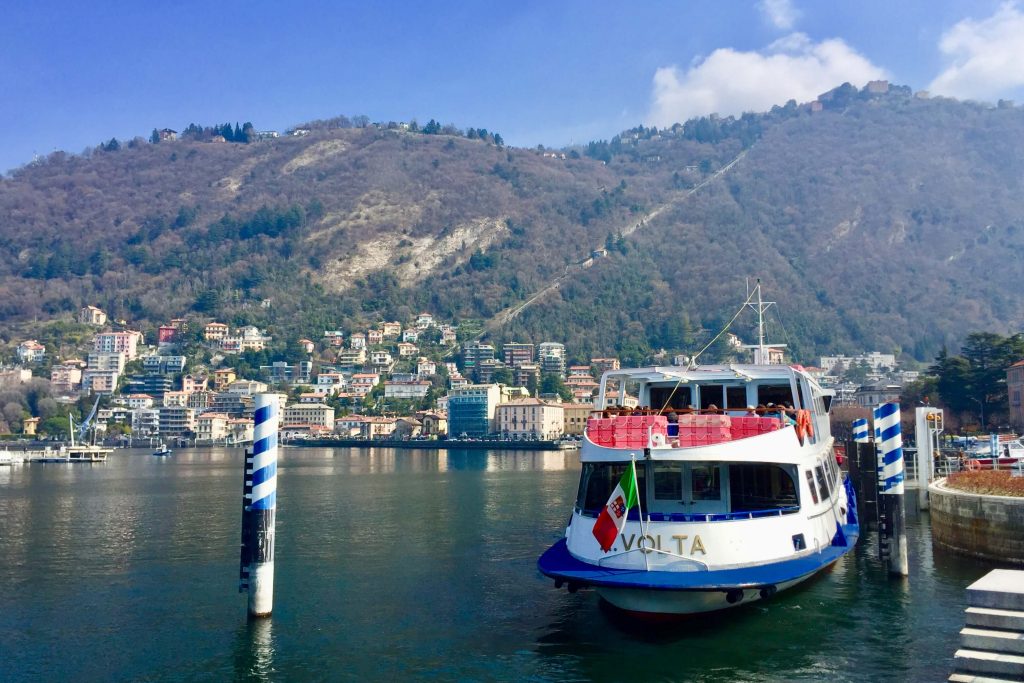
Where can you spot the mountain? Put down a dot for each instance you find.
(876, 220)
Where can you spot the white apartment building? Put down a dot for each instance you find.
(211, 427)
(107, 361)
(414, 390)
(363, 382)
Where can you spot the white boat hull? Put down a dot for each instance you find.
(645, 601)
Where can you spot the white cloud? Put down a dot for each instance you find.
(780, 13)
(986, 56)
(732, 82)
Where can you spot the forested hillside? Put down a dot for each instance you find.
(882, 221)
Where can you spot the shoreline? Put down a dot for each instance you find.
(436, 444)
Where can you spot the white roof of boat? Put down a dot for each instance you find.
(705, 373)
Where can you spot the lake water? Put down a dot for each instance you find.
(404, 565)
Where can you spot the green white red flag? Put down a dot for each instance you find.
(613, 517)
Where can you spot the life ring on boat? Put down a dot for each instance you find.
(657, 440)
(809, 423)
(804, 426)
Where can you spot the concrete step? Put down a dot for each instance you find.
(971, 678)
(992, 640)
(987, 617)
(979, 662)
(999, 589)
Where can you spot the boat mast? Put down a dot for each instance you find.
(761, 350)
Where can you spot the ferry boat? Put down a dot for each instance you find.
(735, 499)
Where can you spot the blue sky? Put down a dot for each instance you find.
(73, 74)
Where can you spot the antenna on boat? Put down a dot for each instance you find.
(762, 351)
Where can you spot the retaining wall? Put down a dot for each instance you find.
(991, 527)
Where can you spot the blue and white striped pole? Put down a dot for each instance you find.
(860, 430)
(890, 447)
(889, 441)
(259, 506)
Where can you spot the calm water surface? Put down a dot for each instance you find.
(403, 565)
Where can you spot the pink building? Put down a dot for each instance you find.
(118, 342)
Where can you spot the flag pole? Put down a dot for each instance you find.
(639, 508)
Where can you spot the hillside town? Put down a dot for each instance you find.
(195, 382)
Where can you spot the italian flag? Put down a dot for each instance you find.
(611, 520)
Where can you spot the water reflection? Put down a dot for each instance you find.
(368, 461)
(406, 564)
(254, 650)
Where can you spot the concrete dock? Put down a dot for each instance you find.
(993, 639)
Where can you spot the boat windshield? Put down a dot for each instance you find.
(597, 482)
(694, 487)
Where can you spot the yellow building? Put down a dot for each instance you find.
(530, 419)
(576, 415)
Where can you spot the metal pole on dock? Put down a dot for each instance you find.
(890, 448)
(259, 505)
(928, 425)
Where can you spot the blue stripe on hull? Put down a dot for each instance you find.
(557, 563)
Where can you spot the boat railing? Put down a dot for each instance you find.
(689, 430)
(721, 516)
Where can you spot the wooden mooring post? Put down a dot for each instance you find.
(862, 463)
(877, 470)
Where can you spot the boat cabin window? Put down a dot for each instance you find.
(597, 482)
(668, 481)
(810, 485)
(736, 398)
(689, 487)
(705, 482)
(717, 488)
(677, 397)
(823, 490)
(761, 486)
(711, 395)
(835, 476)
(826, 403)
(774, 393)
(800, 394)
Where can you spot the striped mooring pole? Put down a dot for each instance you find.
(259, 505)
(860, 430)
(889, 441)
